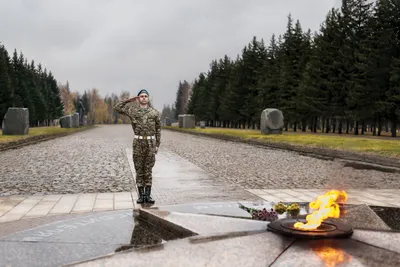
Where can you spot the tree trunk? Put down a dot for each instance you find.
(327, 126)
(347, 126)
(304, 125)
(374, 127)
(363, 127)
(334, 126)
(379, 126)
(315, 124)
(356, 128)
(394, 127)
(340, 129)
(295, 126)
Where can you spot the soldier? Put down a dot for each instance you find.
(146, 125)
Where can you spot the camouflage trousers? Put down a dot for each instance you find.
(144, 159)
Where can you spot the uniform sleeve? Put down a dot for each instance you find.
(123, 108)
(158, 130)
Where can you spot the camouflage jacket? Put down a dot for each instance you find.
(144, 122)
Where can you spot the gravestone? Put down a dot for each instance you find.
(75, 120)
(85, 120)
(16, 122)
(272, 121)
(187, 121)
(180, 121)
(202, 124)
(66, 121)
(168, 122)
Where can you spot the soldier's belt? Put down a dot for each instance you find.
(145, 137)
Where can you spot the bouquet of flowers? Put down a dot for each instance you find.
(261, 214)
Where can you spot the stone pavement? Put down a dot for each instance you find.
(175, 181)
(374, 197)
(24, 207)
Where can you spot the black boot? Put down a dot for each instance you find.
(148, 195)
(141, 195)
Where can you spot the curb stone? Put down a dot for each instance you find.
(37, 139)
(326, 153)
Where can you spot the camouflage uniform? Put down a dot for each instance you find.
(145, 122)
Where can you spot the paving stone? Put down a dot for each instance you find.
(65, 204)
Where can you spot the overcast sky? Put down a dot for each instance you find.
(116, 45)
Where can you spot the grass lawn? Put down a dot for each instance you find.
(383, 146)
(37, 131)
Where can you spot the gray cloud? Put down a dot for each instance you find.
(126, 45)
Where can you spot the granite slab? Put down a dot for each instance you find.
(208, 224)
(68, 240)
(363, 217)
(214, 208)
(255, 250)
(336, 252)
(22, 254)
(100, 228)
(384, 239)
(390, 215)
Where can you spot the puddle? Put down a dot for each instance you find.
(148, 235)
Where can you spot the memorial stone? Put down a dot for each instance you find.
(16, 122)
(168, 122)
(75, 120)
(272, 121)
(66, 121)
(202, 124)
(187, 121)
(180, 121)
(85, 120)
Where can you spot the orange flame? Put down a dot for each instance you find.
(326, 207)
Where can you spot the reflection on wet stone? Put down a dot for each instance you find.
(142, 235)
(146, 234)
(334, 252)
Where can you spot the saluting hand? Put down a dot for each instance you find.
(133, 99)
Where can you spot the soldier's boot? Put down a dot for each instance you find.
(141, 198)
(149, 199)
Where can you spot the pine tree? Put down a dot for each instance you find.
(178, 101)
(6, 93)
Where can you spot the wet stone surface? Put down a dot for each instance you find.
(218, 240)
(70, 240)
(334, 252)
(259, 167)
(230, 209)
